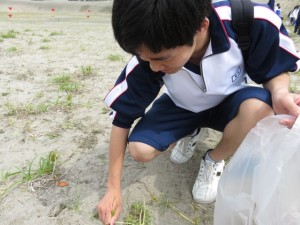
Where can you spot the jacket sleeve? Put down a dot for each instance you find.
(134, 91)
(272, 52)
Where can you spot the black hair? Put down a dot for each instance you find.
(157, 24)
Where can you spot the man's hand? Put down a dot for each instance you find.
(110, 206)
(287, 104)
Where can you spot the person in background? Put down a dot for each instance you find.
(294, 14)
(278, 10)
(297, 24)
(190, 47)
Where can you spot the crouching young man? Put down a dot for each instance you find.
(190, 47)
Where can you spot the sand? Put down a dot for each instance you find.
(38, 116)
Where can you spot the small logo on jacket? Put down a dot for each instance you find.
(237, 74)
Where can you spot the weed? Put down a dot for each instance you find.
(46, 166)
(65, 104)
(115, 57)
(69, 99)
(168, 205)
(68, 125)
(46, 170)
(52, 135)
(65, 83)
(26, 110)
(5, 175)
(43, 47)
(55, 33)
(45, 40)
(12, 49)
(39, 95)
(11, 109)
(4, 93)
(105, 110)
(42, 107)
(86, 70)
(4, 190)
(138, 215)
(9, 34)
(61, 79)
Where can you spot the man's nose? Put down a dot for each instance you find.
(156, 66)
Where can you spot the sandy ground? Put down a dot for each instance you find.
(38, 116)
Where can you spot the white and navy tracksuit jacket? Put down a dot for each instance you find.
(222, 69)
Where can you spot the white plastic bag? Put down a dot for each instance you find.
(261, 183)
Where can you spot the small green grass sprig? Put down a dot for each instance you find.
(44, 47)
(86, 70)
(115, 57)
(138, 215)
(56, 33)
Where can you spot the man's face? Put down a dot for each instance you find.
(168, 60)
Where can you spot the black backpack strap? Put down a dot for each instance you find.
(242, 16)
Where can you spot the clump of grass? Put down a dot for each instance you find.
(138, 215)
(9, 34)
(41, 108)
(64, 103)
(11, 109)
(52, 135)
(86, 70)
(45, 40)
(43, 47)
(12, 49)
(105, 110)
(115, 57)
(36, 175)
(26, 109)
(65, 83)
(46, 166)
(55, 33)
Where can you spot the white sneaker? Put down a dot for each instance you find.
(184, 148)
(206, 184)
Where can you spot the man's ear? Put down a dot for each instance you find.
(204, 25)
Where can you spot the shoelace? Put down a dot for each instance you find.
(186, 142)
(206, 175)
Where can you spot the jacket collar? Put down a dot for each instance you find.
(218, 35)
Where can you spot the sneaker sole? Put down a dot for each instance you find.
(176, 162)
(199, 202)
